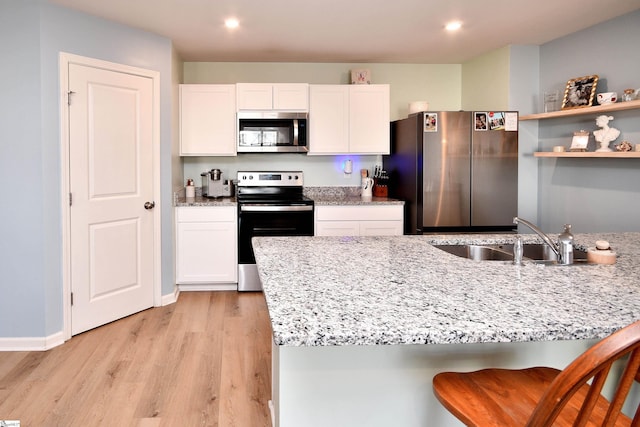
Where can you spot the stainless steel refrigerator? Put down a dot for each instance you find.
(455, 170)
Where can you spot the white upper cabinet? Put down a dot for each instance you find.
(328, 119)
(369, 119)
(207, 120)
(276, 96)
(349, 119)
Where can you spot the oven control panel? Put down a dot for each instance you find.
(270, 179)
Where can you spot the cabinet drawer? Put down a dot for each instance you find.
(381, 228)
(206, 214)
(359, 213)
(337, 228)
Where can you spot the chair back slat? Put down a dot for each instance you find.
(624, 385)
(599, 379)
(594, 363)
(636, 418)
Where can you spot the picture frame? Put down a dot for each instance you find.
(480, 121)
(430, 122)
(579, 92)
(496, 120)
(579, 141)
(361, 77)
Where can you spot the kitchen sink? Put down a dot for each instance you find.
(538, 252)
(477, 252)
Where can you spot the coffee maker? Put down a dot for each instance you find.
(213, 186)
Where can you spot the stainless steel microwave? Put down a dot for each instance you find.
(272, 131)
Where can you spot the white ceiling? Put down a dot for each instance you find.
(356, 31)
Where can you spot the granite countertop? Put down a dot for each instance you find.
(182, 201)
(354, 200)
(340, 196)
(324, 291)
(322, 196)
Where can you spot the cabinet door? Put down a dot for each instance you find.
(369, 119)
(207, 120)
(206, 253)
(291, 96)
(328, 119)
(254, 96)
(206, 245)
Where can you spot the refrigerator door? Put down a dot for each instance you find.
(405, 169)
(446, 172)
(494, 176)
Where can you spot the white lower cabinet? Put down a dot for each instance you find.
(361, 220)
(206, 248)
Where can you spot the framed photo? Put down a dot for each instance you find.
(496, 120)
(431, 122)
(580, 92)
(580, 141)
(480, 121)
(361, 77)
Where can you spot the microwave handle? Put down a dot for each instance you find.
(295, 132)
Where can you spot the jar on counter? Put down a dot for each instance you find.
(628, 95)
(190, 189)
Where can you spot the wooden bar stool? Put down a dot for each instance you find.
(541, 396)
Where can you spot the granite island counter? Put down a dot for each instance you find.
(361, 324)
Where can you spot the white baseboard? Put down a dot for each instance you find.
(171, 298)
(273, 415)
(209, 287)
(54, 340)
(32, 343)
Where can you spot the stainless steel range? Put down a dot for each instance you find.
(269, 204)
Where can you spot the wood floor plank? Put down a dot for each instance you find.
(203, 361)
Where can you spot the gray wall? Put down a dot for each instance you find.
(32, 33)
(524, 77)
(592, 194)
(23, 257)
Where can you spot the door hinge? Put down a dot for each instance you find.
(69, 97)
(71, 298)
(70, 199)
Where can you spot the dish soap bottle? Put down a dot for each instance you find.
(565, 246)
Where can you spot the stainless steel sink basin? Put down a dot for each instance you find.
(477, 252)
(532, 251)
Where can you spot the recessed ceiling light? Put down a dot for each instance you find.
(231, 23)
(453, 26)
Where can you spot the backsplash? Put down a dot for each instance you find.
(311, 192)
(318, 170)
(319, 192)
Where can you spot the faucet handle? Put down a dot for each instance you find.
(518, 250)
(565, 246)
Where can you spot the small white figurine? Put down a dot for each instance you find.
(605, 135)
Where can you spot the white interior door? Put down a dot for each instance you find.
(110, 180)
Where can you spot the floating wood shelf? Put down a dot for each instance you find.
(618, 106)
(591, 154)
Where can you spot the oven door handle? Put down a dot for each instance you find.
(274, 208)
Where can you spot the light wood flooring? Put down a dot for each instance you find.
(203, 361)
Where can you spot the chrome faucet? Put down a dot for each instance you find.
(563, 251)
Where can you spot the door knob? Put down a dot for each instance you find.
(149, 205)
